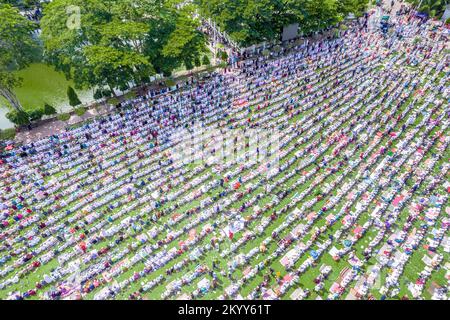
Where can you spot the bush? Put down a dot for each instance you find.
(80, 111)
(223, 55)
(113, 101)
(106, 93)
(205, 60)
(130, 95)
(36, 114)
(197, 62)
(188, 64)
(277, 48)
(98, 94)
(19, 118)
(170, 83)
(144, 79)
(49, 110)
(167, 73)
(7, 134)
(124, 87)
(63, 116)
(447, 21)
(73, 98)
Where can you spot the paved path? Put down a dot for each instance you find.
(58, 126)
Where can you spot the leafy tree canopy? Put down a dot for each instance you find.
(17, 50)
(253, 21)
(116, 42)
(186, 42)
(434, 8)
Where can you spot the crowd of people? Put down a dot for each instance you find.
(356, 207)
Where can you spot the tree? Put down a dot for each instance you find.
(434, 8)
(115, 67)
(18, 117)
(186, 42)
(223, 55)
(254, 21)
(205, 60)
(17, 49)
(321, 14)
(357, 7)
(49, 110)
(73, 98)
(106, 47)
(119, 43)
(248, 21)
(26, 4)
(157, 38)
(197, 62)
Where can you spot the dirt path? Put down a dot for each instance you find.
(58, 126)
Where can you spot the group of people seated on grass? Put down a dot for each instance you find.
(352, 203)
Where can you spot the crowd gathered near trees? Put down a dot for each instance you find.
(113, 45)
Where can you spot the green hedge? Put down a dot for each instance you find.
(205, 60)
(49, 110)
(80, 111)
(36, 114)
(170, 82)
(113, 101)
(130, 95)
(63, 116)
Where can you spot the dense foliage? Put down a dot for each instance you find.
(434, 8)
(17, 49)
(253, 21)
(116, 43)
(73, 97)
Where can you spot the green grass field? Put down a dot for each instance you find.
(42, 84)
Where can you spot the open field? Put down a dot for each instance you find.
(351, 204)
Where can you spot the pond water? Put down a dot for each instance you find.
(4, 123)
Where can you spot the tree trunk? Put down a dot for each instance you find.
(11, 98)
(112, 90)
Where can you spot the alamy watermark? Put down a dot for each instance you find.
(224, 146)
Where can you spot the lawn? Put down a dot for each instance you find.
(42, 84)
